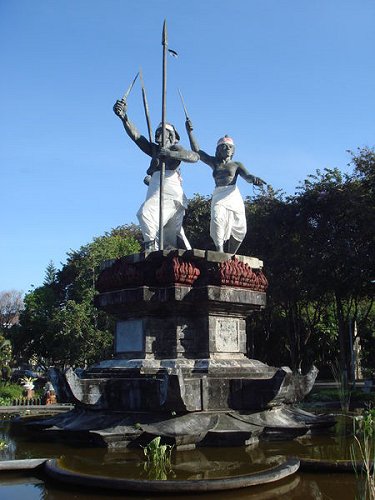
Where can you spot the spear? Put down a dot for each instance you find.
(125, 96)
(163, 121)
(145, 106)
(183, 105)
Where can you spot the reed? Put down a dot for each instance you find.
(363, 450)
(342, 386)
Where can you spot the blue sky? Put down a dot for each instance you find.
(292, 81)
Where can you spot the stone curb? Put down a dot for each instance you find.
(287, 468)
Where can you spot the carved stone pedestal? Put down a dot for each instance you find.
(180, 309)
(180, 368)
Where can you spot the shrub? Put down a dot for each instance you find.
(10, 392)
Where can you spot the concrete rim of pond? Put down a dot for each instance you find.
(319, 465)
(285, 469)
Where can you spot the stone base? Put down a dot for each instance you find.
(179, 369)
(185, 431)
(182, 385)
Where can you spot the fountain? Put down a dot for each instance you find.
(179, 370)
(92, 471)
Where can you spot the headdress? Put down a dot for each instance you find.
(225, 140)
(170, 127)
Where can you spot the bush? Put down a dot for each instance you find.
(10, 392)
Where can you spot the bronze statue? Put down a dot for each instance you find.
(228, 220)
(175, 202)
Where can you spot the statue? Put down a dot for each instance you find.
(175, 202)
(228, 220)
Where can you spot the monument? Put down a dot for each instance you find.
(179, 368)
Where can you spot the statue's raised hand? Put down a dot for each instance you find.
(188, 125)
(257, 181)
(120, 108)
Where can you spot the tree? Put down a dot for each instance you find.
(339, 249)
(60, 324)
(318, 249)
(197, 222)
(11, 304)
(50, 274)
(5, 351)
(76, 280)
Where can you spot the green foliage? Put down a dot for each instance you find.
(6, 373)
(197, 222)
(342, 386)
(60, 324)
(10, 392)
(357, 397)
(158, 459)
(5, 350)
(50, 274)
(319, 252)
(364, 451)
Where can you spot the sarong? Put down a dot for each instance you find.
(227, 215)
(175, 203)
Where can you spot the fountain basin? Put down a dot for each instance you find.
(54, 469)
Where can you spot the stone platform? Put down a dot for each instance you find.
(180, 368)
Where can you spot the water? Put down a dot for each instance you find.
(202, 463)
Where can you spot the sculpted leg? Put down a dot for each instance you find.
(233, 245)
(182, 241)
(238, 231)
(148, 217)
(149, 221)
(219, 226)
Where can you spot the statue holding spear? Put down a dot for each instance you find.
(161, 215)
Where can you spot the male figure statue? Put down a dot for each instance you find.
(228, 220)
(175, 201)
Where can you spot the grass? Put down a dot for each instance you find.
(342, 386)
(363, 450)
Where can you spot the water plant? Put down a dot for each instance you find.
(158, 459)
(363, 450)
(341, 380)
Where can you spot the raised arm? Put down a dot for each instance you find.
(209, 160)
(257, 181)
(178, 153)
(120, 109)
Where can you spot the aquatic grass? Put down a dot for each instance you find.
(363, 450)
(158, 459)
(341, 380)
